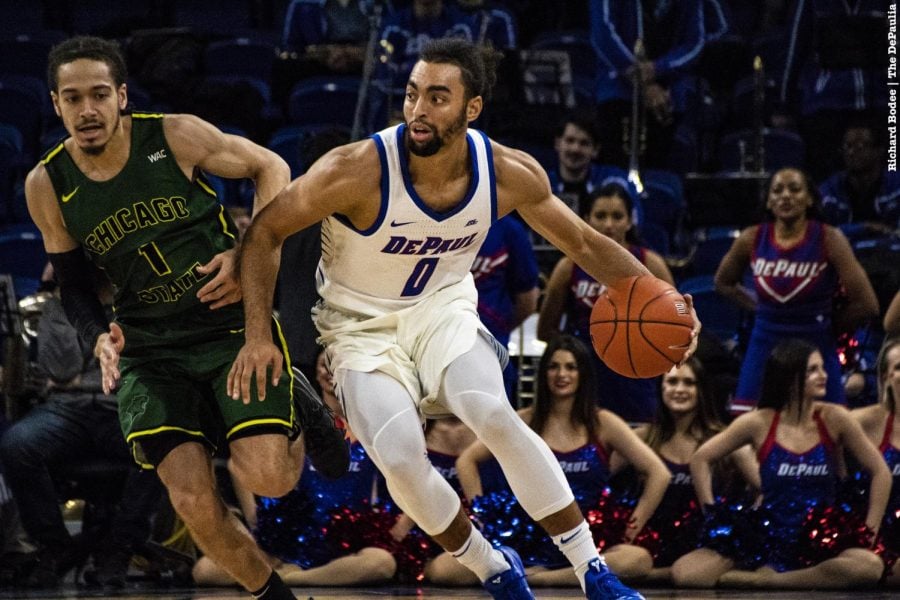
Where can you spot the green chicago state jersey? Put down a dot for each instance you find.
(149, 227)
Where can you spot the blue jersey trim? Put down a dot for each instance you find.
(492, 178)
(411, 190)
(385, 192)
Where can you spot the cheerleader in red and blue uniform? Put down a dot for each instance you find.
(796, 437)
(583, 438)
(571, 294)
(685, 418)
(798, 265)
(881, 423)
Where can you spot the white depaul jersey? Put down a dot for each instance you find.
(411, 251)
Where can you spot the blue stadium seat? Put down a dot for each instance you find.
(323, 100)
(240, 56)
(782, 149)
(10, 153)
(710, 246)
(26, 54)
(655, 237)
(17, 109)
(719, 316)
(663, 200)
(582, 55)
(22, 255)
(287, 142)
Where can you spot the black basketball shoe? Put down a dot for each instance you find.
(325, 444)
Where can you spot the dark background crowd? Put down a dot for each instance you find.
(728, 93)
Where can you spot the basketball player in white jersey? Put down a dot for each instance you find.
(404, 213)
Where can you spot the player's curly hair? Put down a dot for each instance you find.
(90, 47)
(478, 63)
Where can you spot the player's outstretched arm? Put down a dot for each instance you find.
(198, 144)
(344, 181)
(523, 185)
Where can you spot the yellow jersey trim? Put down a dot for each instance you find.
(140, 115)
(222, 219)
(53, 153)
(147, 432)
(254, 422)
(206, 188)
(287, 360)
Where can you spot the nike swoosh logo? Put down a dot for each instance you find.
(566, 540)
(401, 223)
(67, 197)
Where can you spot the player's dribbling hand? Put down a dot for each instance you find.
(255, 358)
(695, 332)
(108, 349)
(225, 287)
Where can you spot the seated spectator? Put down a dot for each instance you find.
(583, 438)
(685, 418)
(578, 176)
(403, 35)
(798, 265)
(491, 23)
(881, 422)
(827, 84)
(797, 439)
(571, 294)
(506, 275)
(332, 33)
(77, 423)
(863, 199)
(673, 38)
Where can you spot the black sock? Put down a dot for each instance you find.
(274, 589)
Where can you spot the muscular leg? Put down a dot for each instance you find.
(187, 473)
(268, 464)
(384, 418)
(473, 390)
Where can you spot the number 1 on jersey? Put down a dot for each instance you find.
(156, 259)
(421, 273)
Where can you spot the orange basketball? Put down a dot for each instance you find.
(635, 324)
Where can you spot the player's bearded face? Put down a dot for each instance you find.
(438, 138)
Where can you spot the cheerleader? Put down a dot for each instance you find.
(798, 264)
(685, 418)
(571, 294)
(797, 439)
(304, 532)
(582, 437)
(881, 422)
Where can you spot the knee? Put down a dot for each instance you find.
(497, 421)
(413, 467)
(629, 561)
(266, 479)
(867, 568)
(380, 564)
(198, 505)
(266, 469)
(688, 573)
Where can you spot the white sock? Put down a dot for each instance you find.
(578, 546)
(480, 557)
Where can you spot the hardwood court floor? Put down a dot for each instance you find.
(432, 593)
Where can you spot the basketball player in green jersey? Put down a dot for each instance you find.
(127, 192)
